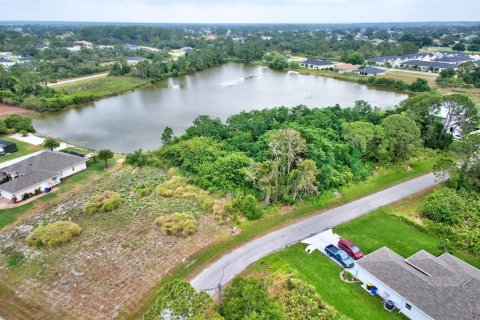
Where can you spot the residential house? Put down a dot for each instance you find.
(345, 67)
(317, 64)
(6, 63)
(429, 66)
(39, 172)
(135, 60)
(186, 49)
(74, 48)
(422, 287)
(370, 71)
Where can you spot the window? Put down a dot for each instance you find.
(409, 307)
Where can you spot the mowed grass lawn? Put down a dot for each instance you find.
(23, 149)
(102, 87)
(383, 227)
(349, 299)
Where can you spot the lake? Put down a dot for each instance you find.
(136, 119)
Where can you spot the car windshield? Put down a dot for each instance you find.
(355, 249)
(343, 255)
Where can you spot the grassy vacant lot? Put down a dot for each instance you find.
(23, 149)
(122, 254)
(102, 87)
(349, 299)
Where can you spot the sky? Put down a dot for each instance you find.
(241, 11)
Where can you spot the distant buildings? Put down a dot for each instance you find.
(317, 64)
(135, 60)
(429, 62)
(345, 67)
(370, 71)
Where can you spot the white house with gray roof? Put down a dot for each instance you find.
(423, 286)
(39, 172)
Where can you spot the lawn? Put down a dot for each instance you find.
(23, 149)
(349, 299)
(102, 87)
(388, 227)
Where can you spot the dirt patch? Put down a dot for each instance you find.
(114, 264)
(6, 110)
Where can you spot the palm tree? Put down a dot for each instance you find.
(105, 154)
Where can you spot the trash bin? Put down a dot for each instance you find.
(47, 190)
(373, 290)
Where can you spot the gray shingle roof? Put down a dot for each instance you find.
(433, 64)
(27, 181)
(53, 161)
(370, 70)
(316, 62)
(443, 287)
(37, 169)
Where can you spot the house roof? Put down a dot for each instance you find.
(37, 169)
(6, 143)
(346, 66)
(6, 60)
(370, 69)
(455, 59)
(433, 64)
(443, 287)
(316, 62)
(27, 181)
(136, 59)
(46, 161)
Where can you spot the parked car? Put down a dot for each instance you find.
(351, 249)
(341, 256)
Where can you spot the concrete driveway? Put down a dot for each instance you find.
(228, 266)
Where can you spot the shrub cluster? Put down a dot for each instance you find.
(144, 189)
(178, 187)
(177, 224)
(103, 202)
(53, 234)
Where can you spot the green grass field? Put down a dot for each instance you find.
(388, 227)
(349, 299)
(23, 149)
(103, 86)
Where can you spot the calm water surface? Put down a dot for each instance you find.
(136, 120)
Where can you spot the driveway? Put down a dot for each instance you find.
(233, 263)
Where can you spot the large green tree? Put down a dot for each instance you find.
(401, 138)
(105, 155)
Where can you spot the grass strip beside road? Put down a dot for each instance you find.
(381, 180)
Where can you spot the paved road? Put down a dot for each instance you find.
(231, 264)
(98, 75)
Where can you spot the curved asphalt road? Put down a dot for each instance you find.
(231, 264)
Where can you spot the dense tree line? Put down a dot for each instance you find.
(282, 155)
(466, 75)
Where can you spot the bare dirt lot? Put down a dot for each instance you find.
(6, 110)
(111, 267)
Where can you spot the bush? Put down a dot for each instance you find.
(178, 187)
(53, 234)
(19, 123)
(103, 202)
(245, 205)
(445, 206)
(177, 224)
(144, 190)
(137, 158)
